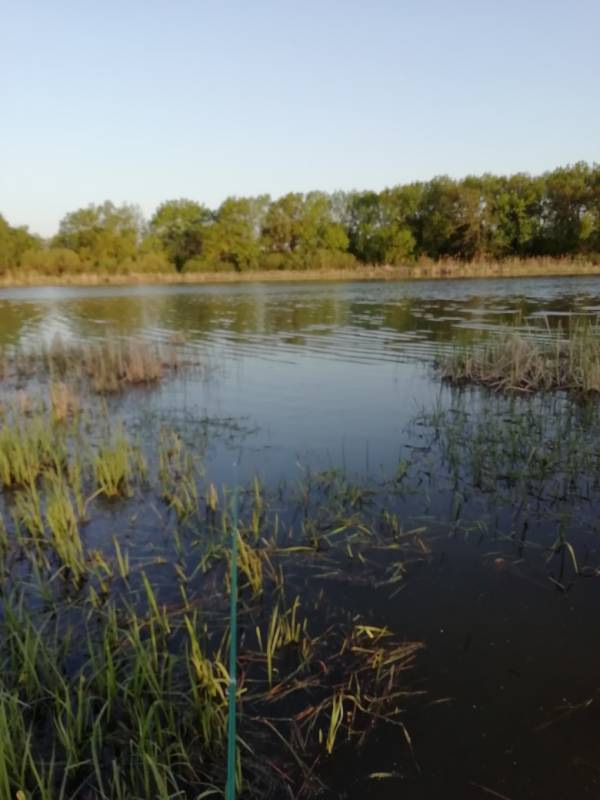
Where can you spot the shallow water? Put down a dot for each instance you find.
(327, 371)
(322, 376)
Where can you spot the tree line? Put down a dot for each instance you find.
(555, 214)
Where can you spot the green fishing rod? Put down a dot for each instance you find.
(232, 715)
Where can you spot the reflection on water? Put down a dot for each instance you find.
(331, 375)
(370, 321)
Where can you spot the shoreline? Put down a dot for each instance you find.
(439, 271)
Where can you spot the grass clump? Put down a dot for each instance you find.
(28, 445)
(113, 365)
(61, 519)
(177, 474)
(64, 402)
(516, 362)
(110, 365)
(115, 465)
(107, 366)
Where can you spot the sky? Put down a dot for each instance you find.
(142, 101)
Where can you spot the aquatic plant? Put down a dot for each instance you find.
(177, 474)
(114, 364)
(513, 362)
(115, 465)
(113, 671)
(106, 366)
(28, 445)
(61, 520)
(64, 402)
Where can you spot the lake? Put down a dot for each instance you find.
(298, 379)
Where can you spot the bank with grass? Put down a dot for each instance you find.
(421, 270)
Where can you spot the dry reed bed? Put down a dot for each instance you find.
(106, 366)
(423, 269)
(513, 362)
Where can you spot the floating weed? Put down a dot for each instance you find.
(75, 480)
(212, 499)
(209, 681)
(122, 560)
(118, 683)
(106, 365)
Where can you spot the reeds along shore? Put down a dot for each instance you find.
(426, 269)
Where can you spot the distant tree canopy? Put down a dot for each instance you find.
(555, 214)
(14, 243)
(179, 228)
(102, 233)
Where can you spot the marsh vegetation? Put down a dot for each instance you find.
(531, 360)
(106, 366)
(114, 677)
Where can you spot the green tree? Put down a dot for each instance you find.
(556, 214)
(233, 238)
(281, 230)
(303, 229)
(516, 207)
(14, 243)
(179, 226)
(102, 233)
(318, 230)
(453, 218)
(567, 210)
(380, 225)
(593, 240)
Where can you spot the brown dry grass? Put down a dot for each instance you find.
(113, 364)
(64, 401)
(420, 270)
(515, 363)
(106, 366)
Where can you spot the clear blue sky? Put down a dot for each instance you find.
(147, 100)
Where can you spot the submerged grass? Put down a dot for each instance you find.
(113, 679)
(524, 470)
